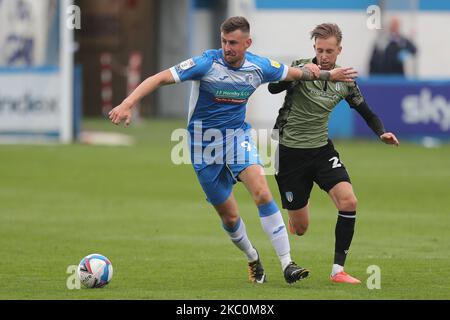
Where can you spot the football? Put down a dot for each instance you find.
(95, 271)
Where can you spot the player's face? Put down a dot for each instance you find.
(327, 51)
(234, 46)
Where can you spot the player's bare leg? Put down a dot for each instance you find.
(235, 227)
(299, 221)
(255, 181)
(228, 211)
(345, 200)
(344, 197)
(272, 221)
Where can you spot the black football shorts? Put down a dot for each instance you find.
(298, 169)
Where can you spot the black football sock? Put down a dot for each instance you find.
(345, 228)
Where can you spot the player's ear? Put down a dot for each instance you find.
(248, 43)
(339, 50)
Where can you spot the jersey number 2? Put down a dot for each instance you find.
(336, 162)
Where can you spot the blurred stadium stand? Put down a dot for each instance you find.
(166, 32)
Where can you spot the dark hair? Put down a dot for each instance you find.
(235, 23)
(327, 30)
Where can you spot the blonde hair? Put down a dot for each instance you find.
(327, 30)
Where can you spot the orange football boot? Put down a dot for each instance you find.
(343, 277)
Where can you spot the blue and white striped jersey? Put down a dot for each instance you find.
(220, 92)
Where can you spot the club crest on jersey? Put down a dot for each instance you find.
(186, 65)
(289, 196)
(338, 86)
(249, 78)
(275, 64)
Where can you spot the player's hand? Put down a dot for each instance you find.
(343, 75)
(315, 70)
(121, 113)
(390, 138)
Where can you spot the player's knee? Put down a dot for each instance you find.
(348, 203)
(262, 196)
(298, 226)
(230, 220)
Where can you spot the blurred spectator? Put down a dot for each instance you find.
(391, 51)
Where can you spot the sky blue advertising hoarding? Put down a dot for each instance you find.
(408, 108)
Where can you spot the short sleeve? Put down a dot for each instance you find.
(273, 71)
(192, 69)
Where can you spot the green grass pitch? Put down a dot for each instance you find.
(60, 203)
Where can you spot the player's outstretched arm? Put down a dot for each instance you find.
(308, 72)
(343, 75)
(123, 111)
(311, 72)
(373, 121)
